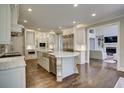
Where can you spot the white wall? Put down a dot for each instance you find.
(108, 30)
(92, 43)
(104, 30)
(121, 43)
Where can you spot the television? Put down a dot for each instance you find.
(42, 44)
(110, 39)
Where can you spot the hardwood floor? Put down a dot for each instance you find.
(94, 75)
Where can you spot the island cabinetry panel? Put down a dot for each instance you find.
(43, 61)
(59, 69)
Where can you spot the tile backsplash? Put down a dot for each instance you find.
(2, 48)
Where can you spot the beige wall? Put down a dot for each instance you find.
(121, 20)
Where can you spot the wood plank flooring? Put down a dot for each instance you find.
(94, 75)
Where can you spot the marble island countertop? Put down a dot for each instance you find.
(65, 54)
(12, 62)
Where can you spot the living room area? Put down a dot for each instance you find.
(103, 43)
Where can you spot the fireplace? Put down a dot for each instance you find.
(110, 50)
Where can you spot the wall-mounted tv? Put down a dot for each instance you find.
(42, 44)
(110, 39)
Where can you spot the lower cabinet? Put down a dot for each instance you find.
(13, 78)
(46, 61)
(43, 61)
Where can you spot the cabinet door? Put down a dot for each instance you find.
(5, 24)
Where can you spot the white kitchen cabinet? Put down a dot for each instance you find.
(43, 61)
(12, 72)
(13, 78)
(5, 24)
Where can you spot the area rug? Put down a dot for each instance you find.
(120, 83)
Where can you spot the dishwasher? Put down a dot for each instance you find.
(52, 64)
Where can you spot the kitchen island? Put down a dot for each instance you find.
(65, 64)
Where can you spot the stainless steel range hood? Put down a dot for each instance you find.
(15, 27)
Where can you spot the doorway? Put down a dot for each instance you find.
(103, 43)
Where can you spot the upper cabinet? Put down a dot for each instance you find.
(5, 24)
(8, 22)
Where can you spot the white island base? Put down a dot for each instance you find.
(65, 64)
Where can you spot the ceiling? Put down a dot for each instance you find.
(51, 16)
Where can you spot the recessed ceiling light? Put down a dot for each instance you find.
(93, 14)
(25, 21)
(29, 9)
(60, 27)
(74, 22)
(75, 5)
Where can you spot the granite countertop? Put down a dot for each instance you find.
(65, 54)
(12, 62)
